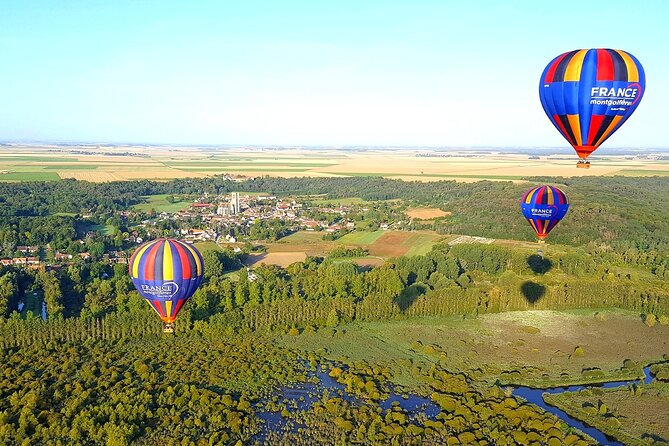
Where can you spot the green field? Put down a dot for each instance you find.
(207, 246)
(628, 416)
(104, 229)
(360, 238)
(159, 203)
(29, 176)
(522, 347)
(70, 167)
(421, 243)
(33, 303)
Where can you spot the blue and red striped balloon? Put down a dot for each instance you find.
(166, 272)
(589, 94)
(544, 207)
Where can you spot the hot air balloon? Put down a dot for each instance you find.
(589, 94)
(166, 272)
(544, 207)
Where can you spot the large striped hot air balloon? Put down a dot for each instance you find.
(166, 272)
(589, 94)
(544, 207)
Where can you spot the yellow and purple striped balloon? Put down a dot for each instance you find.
(166, 272)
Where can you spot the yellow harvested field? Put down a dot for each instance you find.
(426, 213)
(93, 163)
(88, 175)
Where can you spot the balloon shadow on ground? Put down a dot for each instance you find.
(532, 291)
(409, 296)
(539, 264)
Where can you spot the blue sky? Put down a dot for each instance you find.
(442, 73)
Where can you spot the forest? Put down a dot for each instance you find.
(622, 219)
(98, 370)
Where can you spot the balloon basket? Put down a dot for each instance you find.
(583, 165)
(168, 328)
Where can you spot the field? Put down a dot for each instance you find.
(104, 229)
(528, 347)
(426, 213)
(628, 417)
(360, 238)
(93, 163)
(381, 244)
(400, 243)
(278, 258)
(207, 246)
(160, 204)
(29, 176)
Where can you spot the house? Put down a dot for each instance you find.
(7, 262)
(85, 255)
(32, 260)
(310, 224)
(27, 249)
(60, 257)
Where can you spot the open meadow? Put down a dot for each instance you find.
(528, 347)
(635, 416)
(112, 163)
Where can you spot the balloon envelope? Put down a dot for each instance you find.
(589, 94)
(166, 272)
(544, 207)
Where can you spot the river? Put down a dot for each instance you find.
(303, 395)
(534, 396)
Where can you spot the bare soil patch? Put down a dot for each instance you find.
(426, 213)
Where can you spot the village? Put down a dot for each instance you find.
(230, 220)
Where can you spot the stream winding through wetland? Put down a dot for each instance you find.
(303, 395)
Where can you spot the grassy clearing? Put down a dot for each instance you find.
(104, 229)
(33, 302)
(527, 347)
(160, 204)
(360, 238)
(630, 417)
(207, 246)
(29, 176)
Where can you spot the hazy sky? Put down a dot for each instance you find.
(356, 72)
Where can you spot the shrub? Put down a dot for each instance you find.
(649, 319)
